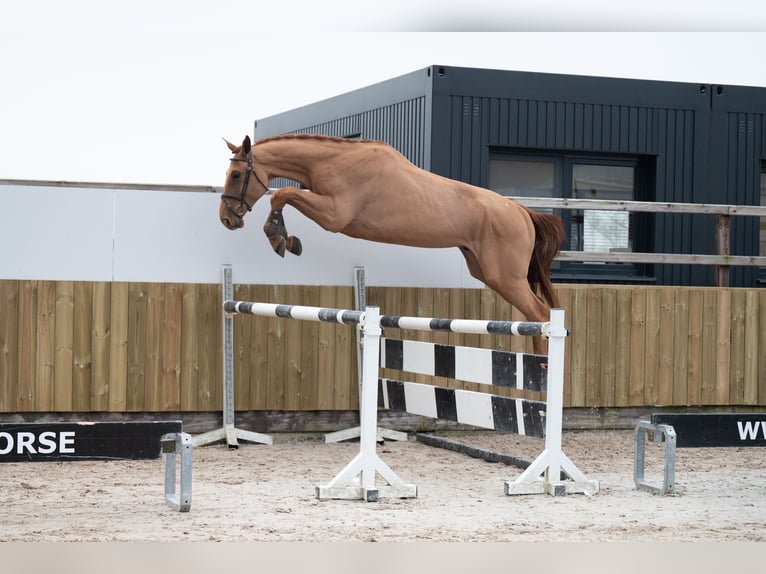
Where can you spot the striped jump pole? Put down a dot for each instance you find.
(469, 326)
(357, 480)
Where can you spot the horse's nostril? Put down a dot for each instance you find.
(226, 222)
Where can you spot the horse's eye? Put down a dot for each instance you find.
(235, 175)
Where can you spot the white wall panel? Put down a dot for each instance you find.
(163, 236)
(55, 233)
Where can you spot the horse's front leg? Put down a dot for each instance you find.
(276, 231)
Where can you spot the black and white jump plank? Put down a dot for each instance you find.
(518, 416)
(471, 364)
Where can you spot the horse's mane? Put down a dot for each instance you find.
(313, 137)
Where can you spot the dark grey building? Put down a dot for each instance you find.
(548, 135)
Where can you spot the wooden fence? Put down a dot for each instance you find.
(152, 347)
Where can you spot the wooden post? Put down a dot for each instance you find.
(722, 239)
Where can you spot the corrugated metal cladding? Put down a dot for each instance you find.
(739, 140)
(401, 125)
(704, 143)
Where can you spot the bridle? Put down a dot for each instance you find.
(242, 207)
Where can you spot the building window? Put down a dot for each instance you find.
(762, 234)
(596, 230)
(523, 178)
(582, 177)
(763, 219)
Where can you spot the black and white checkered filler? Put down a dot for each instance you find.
(485, 366)
(517, 370)
(482, 410)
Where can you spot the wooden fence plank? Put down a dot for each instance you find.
(723, 347)
(208, 346)
(737, 373)
(578, 346)
(565, 302)
(667, 346)
(46, 346)
(190, 334)
(101, 345)
(762, 347)
(637, 375)
(137, 317)
(750, 349)
(9, 344)
(27, 333)
(651, 347)
(82, 346)
(155, 311)
(170, 383)
(64, 342)
(118, 347)
(309, 353)
(709, 329)
(614, 335)
(680, 347)
(694, 344)
(593, 349)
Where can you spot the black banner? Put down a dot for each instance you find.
(131, 440)
(710, 430)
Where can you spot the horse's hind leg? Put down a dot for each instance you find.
(519, 294)
(515, 290)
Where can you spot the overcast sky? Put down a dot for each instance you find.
(143, 91)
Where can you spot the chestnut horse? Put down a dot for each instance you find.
(368, 190)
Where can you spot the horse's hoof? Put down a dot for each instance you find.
(278, 245)
(294, 245)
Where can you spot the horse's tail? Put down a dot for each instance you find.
(549, 236)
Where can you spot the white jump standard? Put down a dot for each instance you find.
(541, 418)
(358, 479)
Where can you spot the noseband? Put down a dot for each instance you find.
(241, 198)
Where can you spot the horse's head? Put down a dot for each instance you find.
(242, 188)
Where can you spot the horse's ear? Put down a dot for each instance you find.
(231, 146)
(246, 144)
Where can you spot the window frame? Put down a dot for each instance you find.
(642, 223)
(761, 271)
